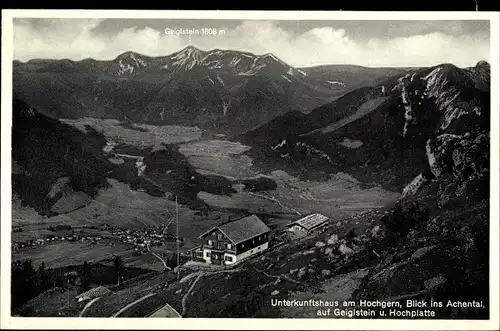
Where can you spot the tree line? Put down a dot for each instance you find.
(27, 281)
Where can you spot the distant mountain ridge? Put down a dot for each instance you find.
(221, 90)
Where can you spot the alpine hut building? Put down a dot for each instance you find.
(308, 224)
(232, 242)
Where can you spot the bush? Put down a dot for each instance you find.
(259, 184)
(59, 227)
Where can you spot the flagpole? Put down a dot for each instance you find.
(177, 239)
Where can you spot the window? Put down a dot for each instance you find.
(229, 246)
(219, 235)
(210, 242)
(199, 254)
(208, 254)
(228, 258)
(253, 241)
(242, 245)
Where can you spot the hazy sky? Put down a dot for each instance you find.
(299, 43)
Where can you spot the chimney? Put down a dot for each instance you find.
(225, 218)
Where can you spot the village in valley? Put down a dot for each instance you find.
(230, 242)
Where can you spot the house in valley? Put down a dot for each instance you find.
(308, 224)
(233, 241)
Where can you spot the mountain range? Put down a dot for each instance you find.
(219, 90)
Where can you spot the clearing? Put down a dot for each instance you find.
(139, 135)
(219, 157)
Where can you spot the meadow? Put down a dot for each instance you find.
(140, 135)
(59, 254)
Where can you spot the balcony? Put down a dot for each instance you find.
(220, 248)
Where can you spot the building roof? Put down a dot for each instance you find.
(311, 221)
(242, 229)
(94, 293)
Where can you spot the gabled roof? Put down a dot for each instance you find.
(242, 229)
(311, 221)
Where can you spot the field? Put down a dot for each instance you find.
(231, 167)
(139, 135)
(219, 157)
(213, 147)
(339, 197)
(59, 254)
(243, 201)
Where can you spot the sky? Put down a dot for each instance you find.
(300, 43)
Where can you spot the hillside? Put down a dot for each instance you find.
(218, 90)
(58, 169)
(381, 133)
(54, 160)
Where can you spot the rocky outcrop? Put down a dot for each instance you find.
(436, 239)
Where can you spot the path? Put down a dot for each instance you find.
(87, 306)
(184, 298)
(131, 304)
(159, 257)
(200, 275)
(275, 200)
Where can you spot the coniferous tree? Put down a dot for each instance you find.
(85, 277)
(119, 267)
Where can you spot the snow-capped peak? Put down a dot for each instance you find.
(236, 62)
(271, 56)
(130, 62)
(187, 58)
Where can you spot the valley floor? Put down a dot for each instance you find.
(121, 206)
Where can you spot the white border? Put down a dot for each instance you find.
(243, 323)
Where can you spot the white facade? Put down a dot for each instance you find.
(235, 258)
(206, 255)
